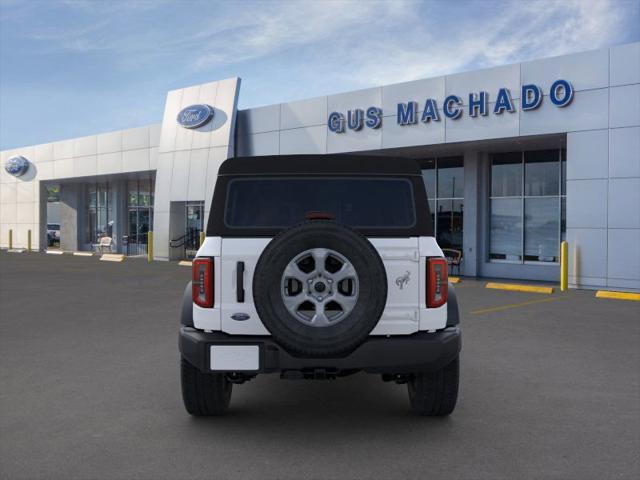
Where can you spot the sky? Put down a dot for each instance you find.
(70, 68)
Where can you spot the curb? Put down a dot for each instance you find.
(112, 257)
(634, 297)
(515, 287)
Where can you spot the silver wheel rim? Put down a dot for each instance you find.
(319, 287)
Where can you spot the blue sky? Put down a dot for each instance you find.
(80, 67)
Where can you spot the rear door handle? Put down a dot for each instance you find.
(240, 282)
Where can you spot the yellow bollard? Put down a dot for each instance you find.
(150, 247)
(29, 240)
(10, 239)
(564, 266)
(201, 239)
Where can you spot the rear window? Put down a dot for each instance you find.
(360, 202)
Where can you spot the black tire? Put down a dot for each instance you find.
(435, 393)
(332, 340)
(204, 394)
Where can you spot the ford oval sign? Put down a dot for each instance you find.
(195, 116)
(17, 166)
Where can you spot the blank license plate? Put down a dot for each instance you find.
(235, 357)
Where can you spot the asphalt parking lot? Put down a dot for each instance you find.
(89, 389)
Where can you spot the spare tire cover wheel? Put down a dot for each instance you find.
(320, 288)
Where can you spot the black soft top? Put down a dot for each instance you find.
(328, 165)
(320, 164)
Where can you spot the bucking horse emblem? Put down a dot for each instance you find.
(402, 280)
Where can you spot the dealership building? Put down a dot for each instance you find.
(515, 159)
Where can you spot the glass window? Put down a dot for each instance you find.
(432, 212)
(53, 193)
(541, 173)
(194, 225)
(145, 193)
(506, 229)
(92, 223)
(132, 193)
(91, 193)
(140, 215)
(527, 225)
(358, 202)
(506, 175)
(563, 219)
(133, 226)
(429, 177)
(450, 177)
(444, 179)
(449, 228)
(100, 212)
(541, 227)
(563, 170)
(144, 223)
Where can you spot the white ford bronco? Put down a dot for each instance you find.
(317, 267)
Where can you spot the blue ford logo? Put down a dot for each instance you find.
(195, 116)
(240, 317)
(17, 166)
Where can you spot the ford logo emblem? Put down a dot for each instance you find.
(16, 166)
(195, 116)
(240, 317)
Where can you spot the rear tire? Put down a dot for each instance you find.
(204, 394)
(435, 394)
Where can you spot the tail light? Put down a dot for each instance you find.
(202, 282)
(437, 282)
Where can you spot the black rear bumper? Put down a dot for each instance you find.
(419, 352)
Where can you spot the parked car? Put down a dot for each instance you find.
(318, 267)
(53, 234)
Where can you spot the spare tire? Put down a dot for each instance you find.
(319, 288)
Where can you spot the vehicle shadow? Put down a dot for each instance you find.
(353, 407)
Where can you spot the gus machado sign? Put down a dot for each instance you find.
(560, 95)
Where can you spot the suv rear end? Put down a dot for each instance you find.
(319, 267)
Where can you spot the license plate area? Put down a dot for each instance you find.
(234, 358)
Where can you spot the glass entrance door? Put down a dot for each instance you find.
(194, 225)
(139, 224)
(140, 215)
(100, 217)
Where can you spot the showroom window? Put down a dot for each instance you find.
(527, 206)
(444, 180)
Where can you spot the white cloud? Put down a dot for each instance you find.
(130, 52)
(520, 32)
(383, 41)
(287, 26)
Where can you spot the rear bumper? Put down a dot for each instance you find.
(419, 352)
